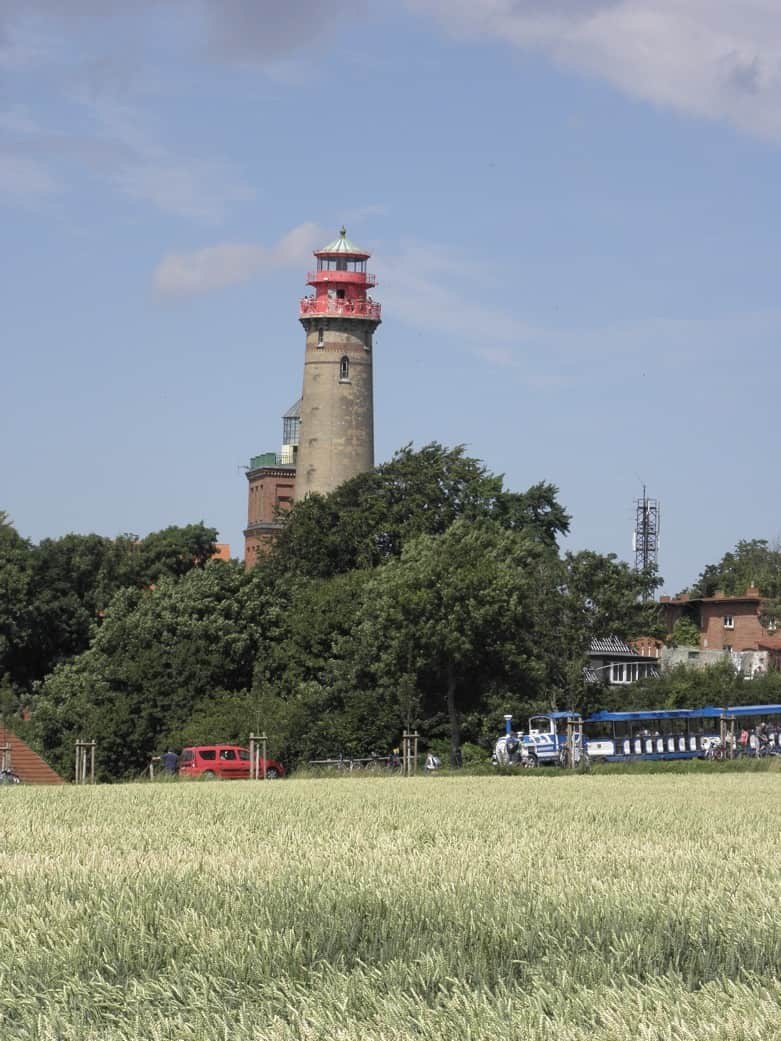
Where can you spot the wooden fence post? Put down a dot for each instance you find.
(85, 762)
(257, 763)
(409, 753)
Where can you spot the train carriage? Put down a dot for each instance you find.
(659, 734)
(649, 734)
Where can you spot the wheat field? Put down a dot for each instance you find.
(449, 909)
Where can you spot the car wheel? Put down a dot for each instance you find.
(272, 774)
(208, 775)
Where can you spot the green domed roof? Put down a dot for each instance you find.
(343, 245)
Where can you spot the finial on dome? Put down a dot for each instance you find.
(343, 232)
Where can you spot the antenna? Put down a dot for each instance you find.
(645, 540)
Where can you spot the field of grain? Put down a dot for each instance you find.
(447, 909)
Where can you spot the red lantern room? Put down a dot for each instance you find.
(341, 283)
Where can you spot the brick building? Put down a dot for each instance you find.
(272, 482)
(726, 623)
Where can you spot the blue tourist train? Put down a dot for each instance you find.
(565, 738)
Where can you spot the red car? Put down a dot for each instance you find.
(224, 761)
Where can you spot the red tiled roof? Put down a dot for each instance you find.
(26, 763)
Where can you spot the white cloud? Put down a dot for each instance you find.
(229, 263)
(718, 59)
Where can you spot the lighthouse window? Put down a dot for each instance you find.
(320, 336)
(344, 368)
(340, 294)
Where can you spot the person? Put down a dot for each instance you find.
(743, 741)
(511, 748)
(432, 763)
(170, 761)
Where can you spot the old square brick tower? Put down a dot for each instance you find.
(329, 434)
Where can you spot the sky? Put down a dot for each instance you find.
(572, 209)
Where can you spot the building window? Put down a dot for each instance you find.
(729, 621)
(291, 427)
(344, 369)
(617, 673)
(320, 336)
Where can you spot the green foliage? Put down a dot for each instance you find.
(309, 700)
(175, 551)
(369, 519)
(618, 598)
(15, 579)
(685, 633)
(453, 614)
(753, 562)
(420, 594)
(719, 685)
(159, 653)
(55, 594)
(219, 716)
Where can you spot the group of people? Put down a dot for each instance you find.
(759, 740)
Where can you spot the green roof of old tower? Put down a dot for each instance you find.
(343, 245)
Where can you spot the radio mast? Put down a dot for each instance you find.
(645, 540)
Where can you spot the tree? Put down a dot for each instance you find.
(15, 576)
(72, 580)
(307, 698)
(753, 562)
(455, 614)
(685, 634)
(369, 519)
(175, 551)
(158, 654)
(616, 597)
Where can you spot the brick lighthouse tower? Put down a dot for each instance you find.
(336, 439)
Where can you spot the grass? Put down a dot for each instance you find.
(587, 907)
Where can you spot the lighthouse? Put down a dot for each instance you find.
(336, 436)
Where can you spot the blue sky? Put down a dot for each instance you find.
(572, 209)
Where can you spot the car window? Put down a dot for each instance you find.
(243, 754)
(187, 756)
(208, 753)
(227, 753)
